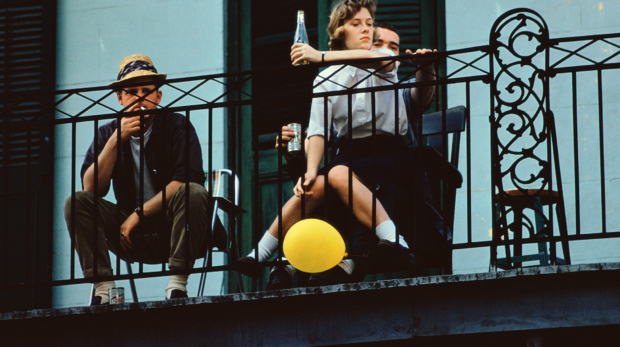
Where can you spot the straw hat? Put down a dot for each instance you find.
(135, 68)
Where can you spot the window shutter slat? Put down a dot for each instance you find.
(21, 70)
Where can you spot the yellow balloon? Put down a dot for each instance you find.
(312, 245)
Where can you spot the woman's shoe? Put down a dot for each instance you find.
(279, 278)
(391, 254)
(249, 266)
(335, 275)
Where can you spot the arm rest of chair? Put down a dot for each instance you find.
(227, 206)
(436, 165)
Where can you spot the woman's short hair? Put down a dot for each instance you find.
(343, 11)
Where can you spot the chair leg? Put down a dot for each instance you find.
(493, 263)
(559, 210)
(203, 276)
(92, 294)
(518, 237)
(132, 284)
(240, 280)
(232, 224)
(542, 246)
(206, 262)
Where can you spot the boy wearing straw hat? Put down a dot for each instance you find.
(148, 159)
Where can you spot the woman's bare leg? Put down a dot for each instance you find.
(291, 214)
(291, 211)
(362, 197)
(385, 229)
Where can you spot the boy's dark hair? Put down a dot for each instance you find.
(387, 26)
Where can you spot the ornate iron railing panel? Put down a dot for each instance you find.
(521, 125)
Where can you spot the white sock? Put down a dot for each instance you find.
(101, 289)
(266, 246)
(387, 231)
(176, 282)
(347, 265)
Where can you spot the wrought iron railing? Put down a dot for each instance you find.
(530, 142)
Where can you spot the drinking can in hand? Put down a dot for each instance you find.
(295, 145)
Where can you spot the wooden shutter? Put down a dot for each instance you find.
(27, 64)
(20, 71)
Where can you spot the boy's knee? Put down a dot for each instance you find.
(80, 197)
(197, 192)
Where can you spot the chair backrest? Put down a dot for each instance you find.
(443, 187)
(433, 130)
(220, 188)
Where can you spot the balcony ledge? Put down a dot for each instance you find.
(529, 300)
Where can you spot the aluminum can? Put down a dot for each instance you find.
(295, 145)
(117, 295)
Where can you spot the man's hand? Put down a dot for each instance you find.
(130, 126)
(130, 223)
(423, 60)
(303, 51)
(287, 135)
(419, 59)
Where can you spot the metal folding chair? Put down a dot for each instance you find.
(220, 192)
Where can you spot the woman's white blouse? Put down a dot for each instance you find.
(339, 78)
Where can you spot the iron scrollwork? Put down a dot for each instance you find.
(520, 124)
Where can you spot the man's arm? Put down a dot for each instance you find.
(150, 208)
(107, 158)
(106, 161)
(422, 96)
(154, 205)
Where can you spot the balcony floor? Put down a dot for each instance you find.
(559, 305)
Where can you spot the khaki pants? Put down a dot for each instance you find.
(159, 239)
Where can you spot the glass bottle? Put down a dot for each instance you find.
(301, 35)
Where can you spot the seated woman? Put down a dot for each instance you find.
(351, 35)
